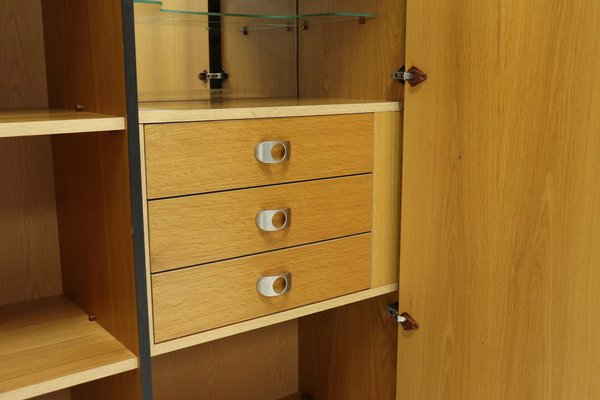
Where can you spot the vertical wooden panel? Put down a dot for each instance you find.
(348, 60)
(349, 352)
(85, 62)
(257, 365)
(22, 63)
(501, 200)
(386, 197)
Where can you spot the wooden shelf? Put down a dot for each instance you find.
(49, 344)
(256, 323)
(33, 122)
(192, 111)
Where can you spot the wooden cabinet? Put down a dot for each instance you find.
(68, 313)
(222, 199)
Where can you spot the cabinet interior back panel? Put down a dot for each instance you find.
(256, 365)
(348, 60)
(29, 254)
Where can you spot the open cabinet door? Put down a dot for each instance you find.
(501, 201)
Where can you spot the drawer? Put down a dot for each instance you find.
(190, 158)
(204, 228)
(196, 299)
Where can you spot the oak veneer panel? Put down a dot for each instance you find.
(349, 352)
(198, 229)
(170, 55)
(49, 344)
(227, 109)
(499, 241)
(195, 299)
(29, 248)
(203, 157)
(84, 55)
(349, 60)
(386, 197)
(28, 122)
(85, 66)
(257, 365)
(22, 63)
(263, 62)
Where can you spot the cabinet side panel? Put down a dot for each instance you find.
(257, 365)
(349, 352)
(85, 63)
(349, 60)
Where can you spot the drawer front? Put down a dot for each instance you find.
(199, 229)
(196, 299)
(190, 158)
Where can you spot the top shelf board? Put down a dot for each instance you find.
(217, 110)
(49, 344)
(35, 122)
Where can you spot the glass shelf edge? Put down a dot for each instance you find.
(257, 16)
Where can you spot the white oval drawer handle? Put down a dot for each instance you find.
(273, 220)
(274, 285)
(263, 151)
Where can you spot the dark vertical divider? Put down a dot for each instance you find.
(136, 197)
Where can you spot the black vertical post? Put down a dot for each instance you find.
(135, 179)
(214, 42)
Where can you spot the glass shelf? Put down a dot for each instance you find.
(259, 21)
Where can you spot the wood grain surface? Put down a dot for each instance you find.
(29, 248)
(263, 62)
(204, 157)
(171, 50)
(22, 60)
(501, 200)
(49, 344)
(257, 365)
(31, 122)
(228, 109)
(350, 60)
(195, 299)
(386, 197)
(349, 352)
(198, 229)
(268, 320)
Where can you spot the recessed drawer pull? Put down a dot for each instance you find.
(273, 220)
(274, 285)
(272, 152)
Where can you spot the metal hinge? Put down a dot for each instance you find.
(413, 76)
(206, 76)
(408, 323)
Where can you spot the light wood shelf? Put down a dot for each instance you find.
(49, 344)
(256, 323)
(34, 122)
(194, 111)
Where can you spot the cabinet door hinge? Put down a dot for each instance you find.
(413, 76)
(408, 323)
